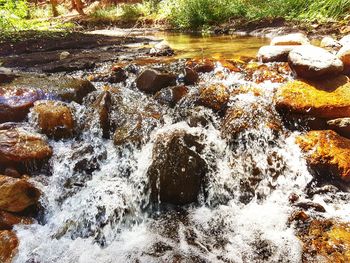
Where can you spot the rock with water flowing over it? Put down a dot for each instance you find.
(274, 53)
(191, 76)
(258, 73)
(172, 95)
(161, 49)
(18, 146)
(151, 81)
(201, 65)
(290, 40)
(327, 153)
(326, 241)
(215, 96)
(344, 56)
(344, 41)
(330, 44)
(102, 106)
(17, 194)
(116, 75)
(177, 171)
(8, 220)
(8, 246)
(312, 62)
(55, 119)
(319, 100)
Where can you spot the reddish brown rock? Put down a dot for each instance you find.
(201, 65)
(55, 119)
(8, 246)
(327, 153)
(8, 220)
(151, 81)
(191, 76)
(171, 95)
(215, 96)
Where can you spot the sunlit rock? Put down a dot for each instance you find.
(344, 56)
(177, 171)
(215, 96)
(151, 81)
(8, 220)
(312, 62)
(161, 49)
(17, 194)
(330, 44)
(172, 95)
(327, 153)
(326, 241)
(19, 146)
(201, 65)
(55, 119)
(8, 246)
(344, 41)
(274, 53)
(290, 40)
(116, 75)
(258, 73)
(341, 126)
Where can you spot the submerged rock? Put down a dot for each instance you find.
(19, 146)
(17, 194)
(274, 53)
(290, 40)
(201, 65)
(151, 81)
(8, 246)
(312, 62)
(177, 171)
(55, 119)
(344, 56)
(215, 96)
(327, 153)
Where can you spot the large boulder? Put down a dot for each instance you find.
(327, 99)
(20, 146)
(17, 194)
(274, 53)
(215, 96)
(8, 246)
(312, 62)
(344, 56)
(290, 40)
(177, 171)
(151, 81)
(55, 119)
(327, 153)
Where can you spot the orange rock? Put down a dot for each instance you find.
(327, 99)
(55, 119)
(327, 153)
(8, 220)
(8, 246)
(261, 72)
(214, 96)
(201, 65)
(18, 145)
(17, 194)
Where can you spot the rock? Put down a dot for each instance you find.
(161, 49)
(341, 126)
(311, 205)
(330, 44)
(8, 220)
(290, 40)
(55, 119)
(258, 73)
(20, 146)
(215, 96)
(151, 81)
(191, 76)
(177, 171)
(327, 99)
(12, 172)
(344, 56)
(201, 65)
(312, 62)
(327, 153)
(171, 95)
(118, 75)
(8, 246)
(345, 40)
(102, 106)
(17, 194)
(129, 132)
(326, 241)
(64, 55)
(274, 53)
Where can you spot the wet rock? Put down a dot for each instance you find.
(274, 53)
(129, 132)
(345, 40)
(177, 171)
(20, 146)
(321, 100)
(258, 73)
(12, 172)
(117, 75)
(312, 62)
(8, 220)
(341, 126)
(327, 153)
(311, 205)
(102, 106)
(151, 81)
(326, 241)
(215, 96)
(344, 56)
(17, 194)
(8, 246)
(171, 96)
(290, 40)
(55, 119)
(191, 76)
(161, 49)
(330, 44)
(201, 65)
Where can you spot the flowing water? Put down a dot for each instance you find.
(105, 215)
